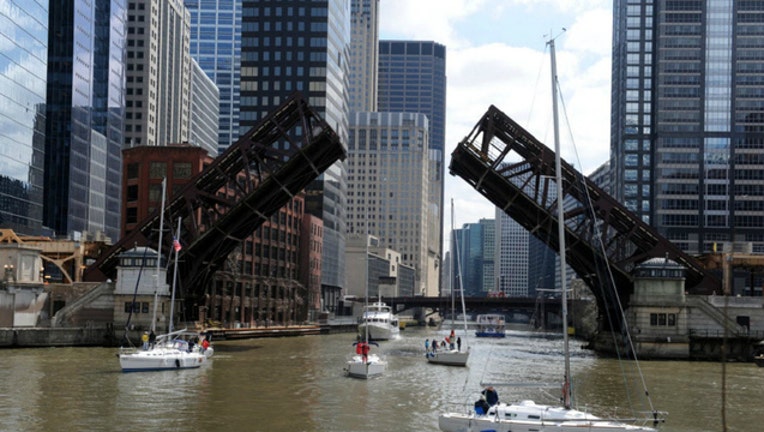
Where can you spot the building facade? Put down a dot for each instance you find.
(158, 73)
(687, 133)
(84, 117)
(204, 110)
(216, 46)
(364, 54)
(412, 79)
(22, 145)
(475, 259)
(388, 173)
(289, 46)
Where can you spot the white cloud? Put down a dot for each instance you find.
(493, 59)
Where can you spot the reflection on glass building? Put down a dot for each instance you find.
(24, 30)
(85, 111)
(687, 127)
(289, 46)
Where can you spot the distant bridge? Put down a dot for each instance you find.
(475, 304)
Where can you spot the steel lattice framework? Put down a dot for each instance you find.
(226, 202)
(516, 172)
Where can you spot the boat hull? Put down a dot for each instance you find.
(528, 416)
(380, 332)
(160, 359)
(358, 368)
(449, 358)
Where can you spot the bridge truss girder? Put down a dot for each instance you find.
(226, 202)
(516, 172)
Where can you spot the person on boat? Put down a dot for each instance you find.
(152, 339)
(459, 343)
(205, 344)
(491, 396)
(427, 345)
(434, 346)
(145, 340)
(481, 406)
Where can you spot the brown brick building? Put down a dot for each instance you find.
(267, 280)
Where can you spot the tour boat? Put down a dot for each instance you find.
(490, 325)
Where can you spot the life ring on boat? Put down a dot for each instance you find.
(177, 363)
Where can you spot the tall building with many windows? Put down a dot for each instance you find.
(475, 267)
(158, 73)
(216, 46)
(687, 129)
(84, 117)
(22, 114)
(293, 45)
(412, 79)
(387, 188)
(364, 54)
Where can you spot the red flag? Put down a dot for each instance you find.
(176, 245)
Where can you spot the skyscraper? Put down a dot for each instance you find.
(22, 114)
(412, 79)
(289, 46)
(687, 130)
(85, 108)
(216, 46)
(158, 73)
(387, 187)
(364, 54)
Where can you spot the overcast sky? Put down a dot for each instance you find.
(496, 54)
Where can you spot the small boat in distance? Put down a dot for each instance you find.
(380, 321)
(490, 325)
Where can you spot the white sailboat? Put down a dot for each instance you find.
(528, 416)
(175, 349)
(364, 364)
(453, 356)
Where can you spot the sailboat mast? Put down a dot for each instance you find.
(159, 257)
(458, 273)
(366, 275)
(560, 227)
(452, 267)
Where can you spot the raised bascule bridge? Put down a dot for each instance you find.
(259, 174)
(516, 172)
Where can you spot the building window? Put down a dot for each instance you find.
(662, 320)
(158, 170)
(181, 170)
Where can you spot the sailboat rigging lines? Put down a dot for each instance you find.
(527, 415)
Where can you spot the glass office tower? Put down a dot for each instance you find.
(24, 28)
(412, 79)
(289, 46)
(687, 126)
(85, 111)
(216, 46)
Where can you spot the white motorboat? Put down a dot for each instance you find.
(170, 352)
(380, 321)
(528, 416)
(490, 325)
